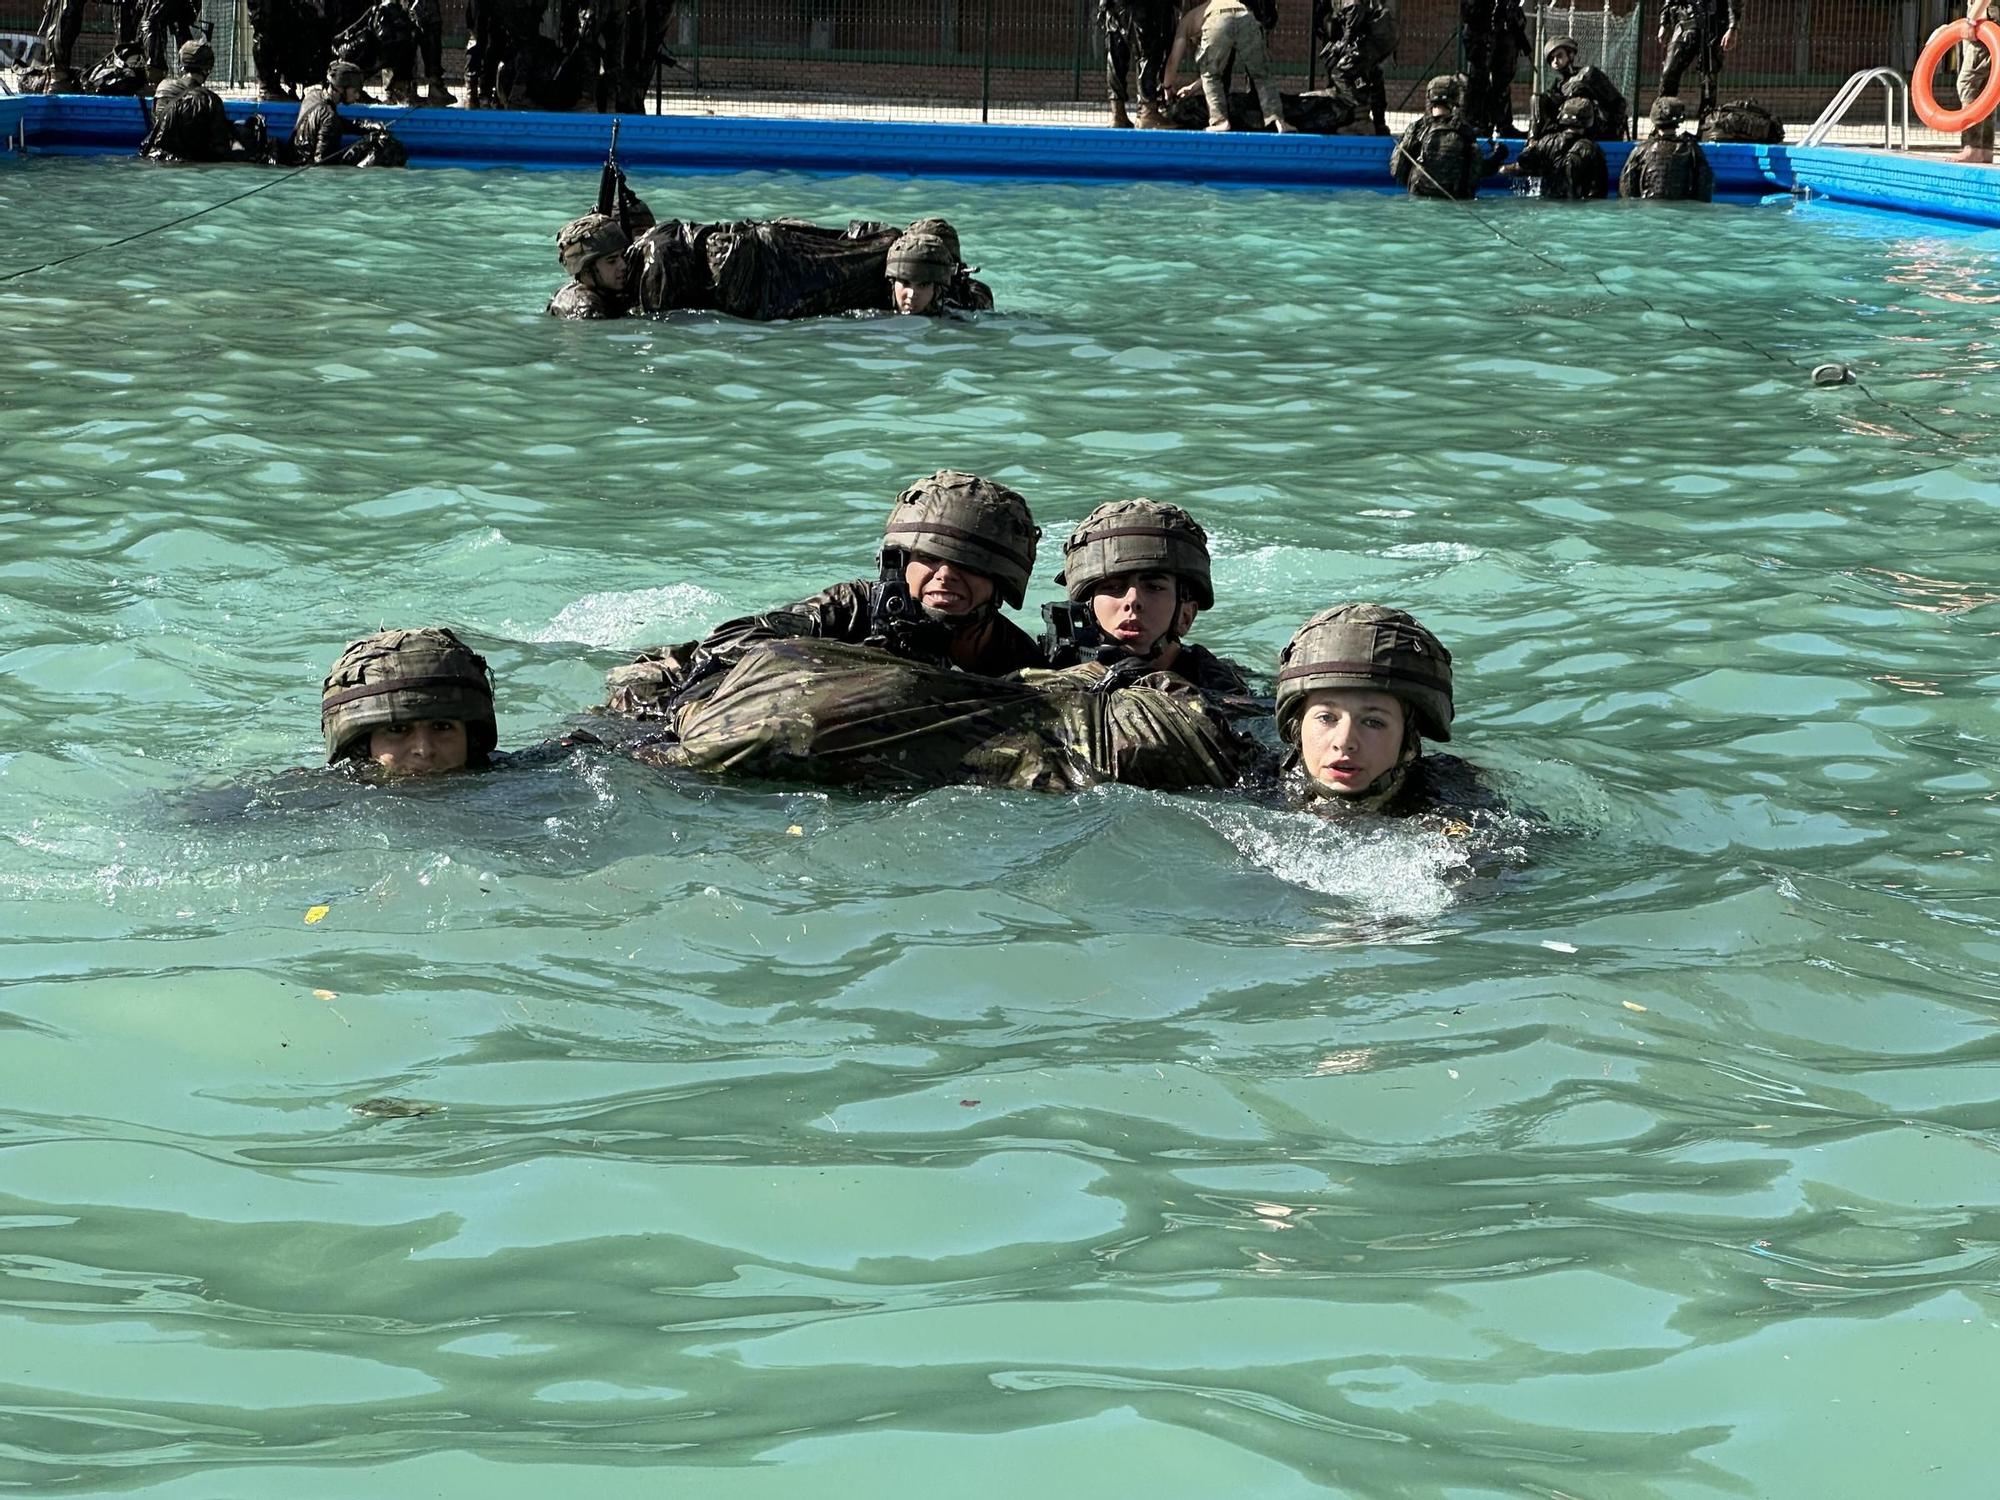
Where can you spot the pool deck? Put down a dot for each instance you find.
(1872, 178)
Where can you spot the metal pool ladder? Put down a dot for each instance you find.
(1895, 89)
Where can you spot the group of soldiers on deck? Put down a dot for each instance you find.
(522, 54)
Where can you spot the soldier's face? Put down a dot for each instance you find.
(421, 748)
(1135, 609)
(913, 297)
(1563, 61)
(945, 586)
(1350, 736)
(609, 273)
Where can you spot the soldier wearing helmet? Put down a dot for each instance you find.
(122, 73)
(1667, 164)
(919, 268)
(316, 134)
(413, 702)
(955, 548)
(596, 252)
(189, 122)
(1360, 688)
(1137, 574)
(1438, 156)
(1574, 79)
(1568, 161)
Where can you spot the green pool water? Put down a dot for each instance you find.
(976, 1144)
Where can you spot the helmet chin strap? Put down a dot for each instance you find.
(978, 615)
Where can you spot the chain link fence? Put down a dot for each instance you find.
(1043, 61)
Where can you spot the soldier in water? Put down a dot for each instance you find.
(956, 548)
(189, 122)
(411, 702)
(1137, 574)
(318, 133)
(1360, 688)
(1667, 164)
(1569, 163)
(1438, 156)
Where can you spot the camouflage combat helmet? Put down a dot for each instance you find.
(976, 523)
(399, 677)
(1668, 112)
(589, 238)
(1366, 646)
(942, 228)
(1446, 88)
(1561, 42)
(1578, 114)
(1137, 536)
(197, 57)
(919, 258)
(342, 74)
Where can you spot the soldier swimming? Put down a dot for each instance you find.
(412, 702)
(1360, 688)
(955, 548)
(1137, 573)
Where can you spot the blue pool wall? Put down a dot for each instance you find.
(83, 125)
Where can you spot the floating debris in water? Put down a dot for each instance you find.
(316, 914)
(396, 1109)
(1832, 374)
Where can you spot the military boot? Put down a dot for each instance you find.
(437, 94)
(1119, 119)
(1150, 117)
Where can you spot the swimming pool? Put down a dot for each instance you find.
(975, 1141)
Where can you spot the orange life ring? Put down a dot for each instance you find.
(1925, 98)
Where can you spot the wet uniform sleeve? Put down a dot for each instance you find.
(575, 300)
(1702, 179)
(646, 685)
(1628, 176)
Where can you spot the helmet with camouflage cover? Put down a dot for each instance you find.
(942, 229)
(919, 258)
(979, 525)
(590, 238)
(1366, 646)
(1668, 112)
(401, 677)
(1578, 114)
(1446, 88)
(1137, 536)
(197, 56)
(342, 74)
(1560, 44)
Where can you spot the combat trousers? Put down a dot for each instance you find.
(1705, 53)
(1974, 68)
(1232, 39)
(1489, 85)
(1146, 24)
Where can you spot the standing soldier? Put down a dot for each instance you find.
(62, 24)
(1494, 38)
(1355, 37)
(1148, 24)
(1702, 31)
(1974, 68)
(165, 25)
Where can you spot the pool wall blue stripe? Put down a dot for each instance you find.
(74, 124)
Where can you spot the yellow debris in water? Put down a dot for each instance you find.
(796, 832)
(326, 995)
(1632, 1005)
(316, 914)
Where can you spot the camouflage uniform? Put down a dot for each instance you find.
(1438, 156)
(1613, 114)
(1698, 29)
(1364, 646)
(1495, 37)
(384, 41)
(163, 26)
(1137, 536)
(838, 714)
(1355, 37)
(1566, 159)
(189, 122)
(402, 677)
(1667, 164)
(954, 517)
(1147, 25)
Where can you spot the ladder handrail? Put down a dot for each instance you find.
(1895, 87)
